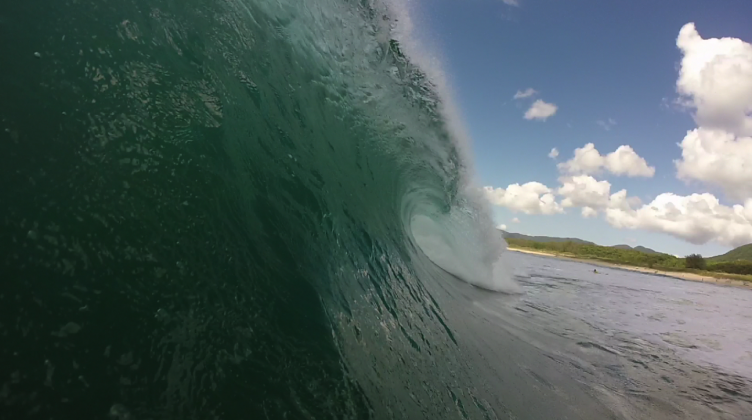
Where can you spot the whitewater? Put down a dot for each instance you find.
(257, 209)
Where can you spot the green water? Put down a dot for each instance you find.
(206, 213)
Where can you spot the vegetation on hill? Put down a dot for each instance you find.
(637, 248)
(736, 267)
(645, 250)
(512, 235)
(622, 246)
(633, 257)
(743, 253)
(603, 253)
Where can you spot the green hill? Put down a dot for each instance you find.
(637, 248)
(626, 255)
(544, 239)
(743, 253)
(646, 250)
(550, 239)
(622, 246)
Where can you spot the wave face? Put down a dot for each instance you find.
(232, 209)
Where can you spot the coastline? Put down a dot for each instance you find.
(644, 270)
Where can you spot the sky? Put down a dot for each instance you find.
(612, 121)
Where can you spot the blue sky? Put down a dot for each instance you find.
(596, 60)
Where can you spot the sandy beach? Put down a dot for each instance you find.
(675, 274)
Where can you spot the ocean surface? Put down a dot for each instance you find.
(235, 209)
(647, 346)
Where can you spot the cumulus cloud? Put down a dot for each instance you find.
(588, 212)
(529, 198)
(715, 82)
(622, 161)
(715, 79)
(625, 161)
(718, 158)
(697, 218)
(502, 227)
(580, 191)
(540, 110)
(592, 195)
(584, 191)
(607, 124)
(525, 93)
(554, 153)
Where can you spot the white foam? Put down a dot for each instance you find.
(457, 252)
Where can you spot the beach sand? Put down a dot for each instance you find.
(675, 274)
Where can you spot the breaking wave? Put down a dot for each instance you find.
(233, 206)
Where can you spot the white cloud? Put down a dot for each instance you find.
(584, 191)
(623, 161)
(607, 124)
(580, 191)
(715, 80)
(529, 198)
(525, 93)
(511, 2)
(620, 200)
(540, 110)
(554, 153)
(698, 218)
(588, 212)
(592, 196)
(502, 227)
(586, 160)
(718, 158)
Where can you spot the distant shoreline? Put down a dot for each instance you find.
(644, 270)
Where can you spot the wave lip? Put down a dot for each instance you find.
(449, 219)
